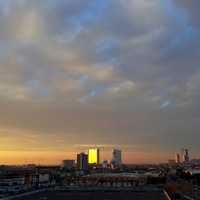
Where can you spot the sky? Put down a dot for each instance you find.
(75, 74)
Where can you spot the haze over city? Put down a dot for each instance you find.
(76, 74)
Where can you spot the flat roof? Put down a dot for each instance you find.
(96, 195)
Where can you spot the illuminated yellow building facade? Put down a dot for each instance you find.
(93, 156)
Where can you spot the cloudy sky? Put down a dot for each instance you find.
(113, 73)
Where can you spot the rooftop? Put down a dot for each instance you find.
(97, 195)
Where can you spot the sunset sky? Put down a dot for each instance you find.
(110, 73)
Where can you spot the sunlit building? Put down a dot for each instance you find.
(93, 156)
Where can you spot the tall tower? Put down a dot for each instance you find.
(93, 156)
(186, 157)
(182, 154)
(178, 158)
(117, 157)
(82, 161)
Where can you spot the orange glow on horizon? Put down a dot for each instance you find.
(32, 157)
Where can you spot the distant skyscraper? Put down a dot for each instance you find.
(82, 161)
(105, 164)
(117, 157)
(186, 157)
(178, 158)
(93, 156)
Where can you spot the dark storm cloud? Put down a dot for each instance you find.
(101, 70)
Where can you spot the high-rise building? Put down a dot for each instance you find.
(82, 161)
(117, 157)
(186, 157)
(178, 158)
(93, 156)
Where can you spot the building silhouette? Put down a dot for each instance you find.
(178, 158)
(116, 157)
(186, 157)
(82, 161)
(68, 164)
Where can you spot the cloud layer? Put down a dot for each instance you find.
(100, 72)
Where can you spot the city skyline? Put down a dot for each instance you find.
(79, 74)
(95, 156)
